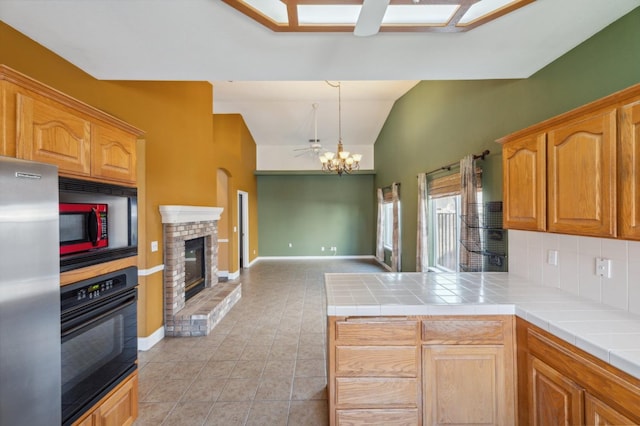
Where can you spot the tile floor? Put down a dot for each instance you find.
(263, 364)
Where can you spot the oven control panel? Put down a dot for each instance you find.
(96, 289)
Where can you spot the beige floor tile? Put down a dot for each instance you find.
(167, 391)
(288, 351)
(275, 388)
(228, 414)
(305, 388)
(152, 413)
(204, 390)
(268, 413)
(279, 368)
(217, 369)
(275, 333)
(255, 352)
(311, 368)
(239, 390)
(248, 369)
(311, 351)
(308, 413)
(189, 414)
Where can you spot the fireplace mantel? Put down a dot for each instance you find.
(183, 214)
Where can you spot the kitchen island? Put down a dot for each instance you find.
(435, 348)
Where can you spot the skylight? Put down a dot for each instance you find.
(400, 15)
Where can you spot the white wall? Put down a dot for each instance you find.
(575, 271)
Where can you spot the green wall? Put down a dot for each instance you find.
(439, 122)
(311, 211)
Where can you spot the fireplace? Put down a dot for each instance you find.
(194, 301)
(194, 272)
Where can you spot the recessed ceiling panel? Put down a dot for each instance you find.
(328, 14)
(272, 9)
(424, 14)
(484, 8)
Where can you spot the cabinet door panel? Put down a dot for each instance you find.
(121, 408)
(51, 135)
(555, 399)
(629, 172)
(581, 176)
(464, 385)
(600, 414)
(524, 177)
(113, 154)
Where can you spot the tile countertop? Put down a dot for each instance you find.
(610, 334)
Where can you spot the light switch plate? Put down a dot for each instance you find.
(154, 246)
(552, 257)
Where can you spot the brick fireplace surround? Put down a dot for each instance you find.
(198, 315)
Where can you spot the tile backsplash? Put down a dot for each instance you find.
(575, 271)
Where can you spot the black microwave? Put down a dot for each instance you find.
(98, 222)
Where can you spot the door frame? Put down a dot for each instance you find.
(243, 229)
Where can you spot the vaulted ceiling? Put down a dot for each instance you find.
(273, 78)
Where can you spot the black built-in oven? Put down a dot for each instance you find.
(99, 338)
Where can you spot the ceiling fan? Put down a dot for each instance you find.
(315, 146)
(370, 18)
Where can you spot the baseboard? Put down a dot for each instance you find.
(146, 343)
(368, 256)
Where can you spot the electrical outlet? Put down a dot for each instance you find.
(154, 246)
(552, 257)
(322, 248)
(334, 249)
(603, 267)
(290, 245)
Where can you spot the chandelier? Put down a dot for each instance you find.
(341, 161)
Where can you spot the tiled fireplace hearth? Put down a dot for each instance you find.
(198, 315)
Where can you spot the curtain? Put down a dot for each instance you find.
(470, 247)
(379, 236)
(422, 246)
(396, 251)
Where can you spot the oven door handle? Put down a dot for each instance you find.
(119, 306)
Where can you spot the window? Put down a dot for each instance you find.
(445, 221)
(387, 225)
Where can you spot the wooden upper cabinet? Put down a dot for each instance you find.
(581, 176)
(524, 185)
(113, 154)
(629, 172)
(48, 133)
(40, 123)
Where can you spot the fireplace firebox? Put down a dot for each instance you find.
(194, 280)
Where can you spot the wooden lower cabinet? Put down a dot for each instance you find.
(559, 384)
(418, 370)
(118, 408)
(555, 399)
(600, 414)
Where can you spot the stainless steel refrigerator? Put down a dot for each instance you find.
(29, 294)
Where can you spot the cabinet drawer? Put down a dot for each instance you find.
(376, 393)
(466, 332)
(376, 333)
(377, 361)
(377, 417)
